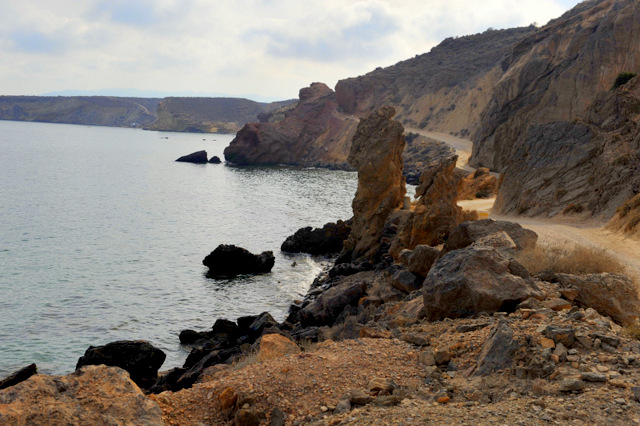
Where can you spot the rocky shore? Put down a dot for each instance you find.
(427, 316)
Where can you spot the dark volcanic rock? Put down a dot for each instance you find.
(199, 157)
(229, 261)
(497, 352)
(468, 281)
(469, 232)
(328, 306)
(325, 240)
(19, 376)
(215, 160)
(138, 357)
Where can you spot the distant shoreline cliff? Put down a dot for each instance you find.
(197, 115)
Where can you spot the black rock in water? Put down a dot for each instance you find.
(215, 160)
(19, 376)
(229, 261)
(137, 357)
(325, 240)
(199, 157)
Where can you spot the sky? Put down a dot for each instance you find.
(262, 49)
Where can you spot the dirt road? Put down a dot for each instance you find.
(586, 232)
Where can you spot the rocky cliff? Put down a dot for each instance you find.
(313, 133)
(555, 73)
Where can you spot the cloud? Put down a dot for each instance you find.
(269, 47)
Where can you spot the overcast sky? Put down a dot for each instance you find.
(267, 48)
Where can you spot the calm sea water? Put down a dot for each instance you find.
(102, 236)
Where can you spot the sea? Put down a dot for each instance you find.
(102, 236)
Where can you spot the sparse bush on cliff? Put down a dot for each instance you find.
(622, 79)
(569, 258)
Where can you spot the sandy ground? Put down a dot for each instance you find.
(586, 232)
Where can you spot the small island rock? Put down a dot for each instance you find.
(199, 157)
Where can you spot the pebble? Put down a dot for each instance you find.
(593, 377)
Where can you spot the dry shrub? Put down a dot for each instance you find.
(569, 258)
(246, 359)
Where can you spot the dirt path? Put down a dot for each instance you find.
(590, 233)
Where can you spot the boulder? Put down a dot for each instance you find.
(229, 261)
(138, 357)
(199, 157)
(469, 232)
(498, 350)
(421, 258)
(93, 395)
(325, 240)
(479, 184)
(19, 376)
(326, 308)
(406, 281)
(376, 152)
(215, 160)
(613, 295)
(468, 281)
(275, 346)
(498, 240)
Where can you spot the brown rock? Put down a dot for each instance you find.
(228, 398)
(557, 304)
(421, 258)
(436, 213)
(479, 184)
(546, 343)
(91, 395)
(378, 384)
(313, 133)
(275, 346)
(469, 232)
(613, 295)
(376, 152)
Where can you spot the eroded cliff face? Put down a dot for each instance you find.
(588, 166)
(376, 153)
(554, 74)
(313, 133)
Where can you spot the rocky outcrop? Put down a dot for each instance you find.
(229, 261)
(93, 395)
(276, 345)
(314, 133)
(215, 160)
(317, 241)
(376, 153)
(436, 212)
(139, 358)
(198, 157)
(564, 141)
(469, 232)
(421, 151)
(469, 281)
(326, 308)
(479, 184)
(613, 295)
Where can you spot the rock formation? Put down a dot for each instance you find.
(139, 358)
(326, 240)
(93, 395)
(564, 140)
(229, 261)
(19, 376)
(198, 157)
(479, 184)
(436, 212)
(314, 133)
(376, 152)
(469, 232)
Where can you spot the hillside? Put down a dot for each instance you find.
(223, 115)
(91, 110)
